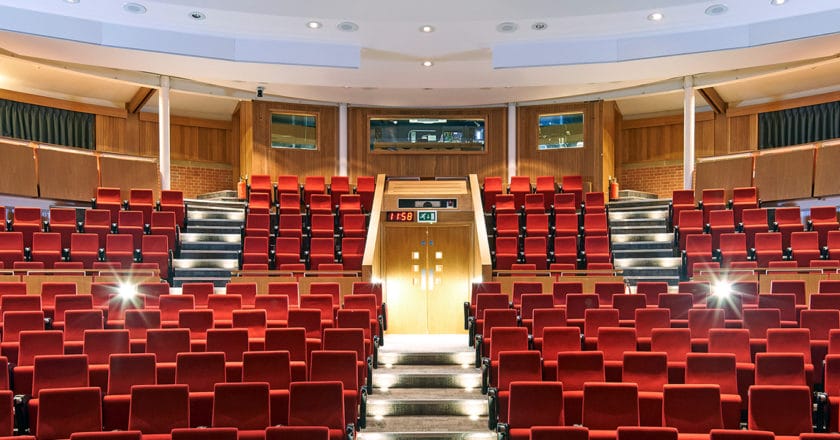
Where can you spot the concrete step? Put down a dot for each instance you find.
(210, 245)
(217, 281)
(636, 204)
(217, 195)
(668, 262)
(661, 224)
(658, 214)
(629, 245)
(201, 254)
(662, 237)
(653, 273)
(213, 222)
(672, 280)
(426, 376)
(633, 194)
(638, 230)
(465, 357)
(196, 237)
(642, 253)
(426, 428)
(216, 215)
(427, 402)
(229, 229)
(206, 263)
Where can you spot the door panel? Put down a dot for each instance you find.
(404, 263)
(449, 254)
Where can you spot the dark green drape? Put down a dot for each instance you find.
(47, 125)
(799, 125)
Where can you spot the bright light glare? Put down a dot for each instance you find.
(723, 288)
(128, 290)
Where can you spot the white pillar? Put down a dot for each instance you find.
(688, 131)
(511, 140)
(342, 139)
(163, 131)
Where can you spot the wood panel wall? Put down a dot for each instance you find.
(492, 162)
(259, 158)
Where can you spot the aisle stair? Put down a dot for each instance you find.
(641, 244)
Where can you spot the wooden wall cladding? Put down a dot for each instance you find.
(569, 161)
(723, 172)
(66, 174)
(492, 162)
(277, 161)
(190, 139)
(785, 174)
(126, 172)
(19, 175)
(661, 138)
(826, 182)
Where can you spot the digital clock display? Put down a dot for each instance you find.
(401, 216)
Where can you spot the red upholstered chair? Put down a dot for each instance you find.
(606, 290)
(596, 250)
(132, 223)
(560, 289)
(743, 198)
(200, 372)
(289, 204)
(165, 344)
(223, 307)
(125, 371)
(676, 342)
(780, 369)
(64, 411)
(273, 368)
(27, 221)
(519, 187)
(535, 204)
(489, 190)
(574, 370)
(156, 249)
(793, 340)
(547, 187)
(158, 409)
(700, 321)
(292, 340)
(693, 409)
(823, 219)
(318, 404)
(594, 319)
(576, 306)
(313, 185)
(290, 225)
(606, 406)
(768, 247)
(753, 221)
(791, 419)
(339, 185)
(244, 406)
(713, 199)
(319, 204)
(232, 342)
(649, 370)
(719, 369)
(595, 224)
(321, 250)
(648, 319)
(534, 403)
(107, 435)
(681, 199)
(614, 342)
(352, 252)
(514, 366)
(46, 248)
(173, 200)
(507, 252)
(698, 249)
(255, 250)
(804, 247)
(679, 304)
(258, 225)
(733, 247)
(287, 183)
(757, 322)
(109, 199)
(138, 323)
(593, 203)
(573, 184)
(120, 248)
(260, 183)
(691, 222)
(365, 187)
(259, 203)
(99, 345)
(501, 339)
(63, 221)
(11, 248)
(353, 225)
(338, 365)
(564, 203)
(535, 252)
(349, 204)
(646, 433)
(557, 340)
(788, 220)
(85, 248)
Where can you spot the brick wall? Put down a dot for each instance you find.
(193, 179)
(660, 179)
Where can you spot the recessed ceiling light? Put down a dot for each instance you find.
(718, 9)
(655, 16)
(197, 15)
(72, 2)
(507, 27)
(426, 29)
(428, 63)
(314, 25)
(348, 26)
(777, 2)
(539, 26)
(134, 8)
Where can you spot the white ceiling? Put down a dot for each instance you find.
(388, 49)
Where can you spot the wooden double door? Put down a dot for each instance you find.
(427, 272)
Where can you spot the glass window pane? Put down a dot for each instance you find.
(561, 130)
(432, 134)
(294, 130)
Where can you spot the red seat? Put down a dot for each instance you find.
(514, 366)
(649, 370)
(318, 404)
(289, 203)
(62, 221)
(11, 248)
(790, 419)
(290, 225)
(85, 248)
(292, 340)
(289, 289)
(719, 369)
(693, 409)
(273, 368)
(595, 224)
(535, 204)
(198, 322)
(339, 185)
(132, 223)
(244, 406)
(246, 291)
(319, 204)
(165, 344)
(646, 321)
(259, 203)
(338, 365)
(564, 203)
(606, 406)
(260, 183)
(593, 203)
(507, 225)
(627, 306)
(691, 222)
(223, 307)
(788, 220)
(490, 189)
(109, 199)
(171, 200)
(547, 187)
(506, 253)
(156, 250)
(158, 409)
(349, 204)
(99, 345)
(200, 372)
(596, 250)
(352, 252)
(594, 319)
(321, 250)
(713, 199)
(536, 225)
(573, 184)
(288, 184)
(607, 289)
(297, 433)
(614, 342)
(313, 185)
(138, 323)
(120, 248)
(753, 221)
(574, 370)
(255, 250)
(823, 219)
(804, 247)
(67, 410)
(171, 305)
(258, 225)
(720, 222)
(681, 199)
(535, 404)
(519, 186)
(743, 198)
(768, 247)
(286, 250)
(46, 248)
(353, 225)
(780, 369)
(676, 342)
(733, 247)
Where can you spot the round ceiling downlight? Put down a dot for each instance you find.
(539, 26)
(718, 9)
(348, 26)
(134, 8)
(507, 27)
(427, 29)
(656, 16)
(197, 15)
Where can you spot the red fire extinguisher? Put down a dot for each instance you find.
(613, 189)
(241, 192)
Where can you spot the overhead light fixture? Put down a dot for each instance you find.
(197, 15)
(348, 26)
(539, 26)
(507, 27)
(718, 9)
(427, 29)
(777, 2)
(134, 8)
(72, 2)
(428, 63)
(314, 25)
(655, 16)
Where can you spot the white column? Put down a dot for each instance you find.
(342, 139)
(688, 131)
(511, 140)
(163, 131)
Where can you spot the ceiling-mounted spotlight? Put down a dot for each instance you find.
(314, 25)
(718, 9)
(428, 63)
(347, 26)
(197, 15)
(426, 29)
(656, 16)
(260, 91)
(539, 26)
(777, 2)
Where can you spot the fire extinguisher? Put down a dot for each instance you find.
(241, 189)
(613, 189)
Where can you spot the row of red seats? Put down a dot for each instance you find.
(85, 248)
(521, 185)
(530, 425)
(543, 252)
(314, 251)
(319, 225)
(272, 433)
(140, 200)
(259, 203)
(290, 184)
(543, 225)
(536, 203)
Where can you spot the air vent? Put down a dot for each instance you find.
(507, 27)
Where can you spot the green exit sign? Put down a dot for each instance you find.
(426, 216)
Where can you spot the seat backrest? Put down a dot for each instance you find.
(233, 342)
(316, 404)
(576, 368)
(560, 289)
(166, 343)
(59, 371)
(128, 369)
(38, 343)
(790, 340)
(700, 321)
(100, 344)
(716, 368)
(77, 322)
(199, 291)
(241, 405)
(158, 409)
(518, 365)
(615, 341)
(792, 418)
(734, 341)
(692, 408)
(16, 322)
(578, 303)
(292, 339)
(796, 287)
(507, 338)
(224, 305)
(610, 405)
(272, 367)
(647, 369)
(674, 341)
(780, 369)
(597, 318)
(647, 319)
(560, 339)
(819, 322)
(535, 403)
(200, 371)
(339, 365)
(64, 411)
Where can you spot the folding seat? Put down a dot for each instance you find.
(614, 342)
(514, 366)
(536, 404)
(158, 409)
(290, 289)
(531, 302)
(172, 200)
(97, 221)
(785, 302)
(698, 249)
(595, 319)
(691, 222)
(120, 248)
(832, 247)
(49, 290)
(713, 200)
(63, 221)
(804, 247)
(646, 433)
(99, 345)
(519, 187)
(786, 421)
(297, 433)
(339, 185)
(13, 288)
(606, 406)
(576, 306)
(819, 323)
(223, 307)
(50, 371)
(232, 342)
(366, 302)
(244, 406)
(827, 266)
(198, 322)
(733, 247)
(28, 344)
(319, 404)
(131, 223)
(353, 225)
(747, 291)
(651, 290)
(565, 250)
(67, 410)
(65, 303)
(788, 220)
(793, 340)
(276, 309)
(152, 292)
(288, 184)
(255, 322)
(118, 305)
(501, 339)
(831, 387)
(780, 369)
(824, 301)
(171, 305)
(349, 204)
(258, 225)
(85, 248)
(573, 184)
(823, 219)
(13, 324)
(107, 435)
(289, 204)
(310, 320)
(366, 185)
(796, 287)
(313, 185)
(768, 247)
(319, 204)
(693, 409)
(333, 289)
(596, 250)
(535, 252)
(606, 289)
(321, 250)
(246, 291)
(339, 365)
(547, 187)
(46, 248)
(743, 198)
(564, 203)
(20, 303)
(555, 340)
(594, 203)
(321, 225)
(352, 252)
(200, 372)
(700, 321)
(29, 265)
(676, 342)
(757, 322)
(648, 370)
(292, 340)
(165, 344)
(681, 199)
(627, 306)
(156, 249)
(595, 224)
(26, 221)
(507, 252)
(11, 248)
(138, 323)
(322, 303)
(679, 304)
(574, 370)
(753, 221)
(507, 225)
(290, 225)
(260, 183)
(255, 250)
(648, 319)
(828, 286)
(719, 369)
(287, 250)
(534, 204)
(109, 199)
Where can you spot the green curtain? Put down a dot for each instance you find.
(800, 125)
(47, 125)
